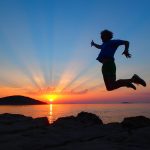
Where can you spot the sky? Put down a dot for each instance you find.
(45, 50)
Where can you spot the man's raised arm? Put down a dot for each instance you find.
(126, 50)
(96, 45)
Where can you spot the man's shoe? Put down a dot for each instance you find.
(130, 85)
(136, 79)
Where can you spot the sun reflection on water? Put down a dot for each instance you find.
(50, 113)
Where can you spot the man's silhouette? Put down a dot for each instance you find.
(106, 57)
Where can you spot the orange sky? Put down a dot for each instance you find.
(99, 95)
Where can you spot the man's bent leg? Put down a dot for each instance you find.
(109, 75)
(112, 84)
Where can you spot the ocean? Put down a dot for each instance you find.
(107, 112)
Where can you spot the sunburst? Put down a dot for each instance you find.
(51, 97)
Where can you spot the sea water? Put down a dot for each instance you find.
(107, 112)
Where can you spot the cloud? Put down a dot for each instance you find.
(52, 90)
(74, 92)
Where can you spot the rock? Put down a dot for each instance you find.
(10, 123)
(140, 137)
(83, 119)
(85, 131)
(42, 121)
(9, 119)
(135, 122)
(65, 122)
(89, 118)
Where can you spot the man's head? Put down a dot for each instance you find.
(106, 35)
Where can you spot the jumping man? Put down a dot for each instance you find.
(106, 57)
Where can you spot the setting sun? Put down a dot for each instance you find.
(50, 97)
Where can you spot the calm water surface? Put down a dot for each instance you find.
(107, 112)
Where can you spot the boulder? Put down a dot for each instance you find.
(11, 123)
(9, 119)
(89, 118)
(66, 122)
(141, 137)
(135, 122)
(42, 121)
(83, 119)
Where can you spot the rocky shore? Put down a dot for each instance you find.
(85, 131)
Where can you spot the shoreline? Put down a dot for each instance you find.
(85, 131)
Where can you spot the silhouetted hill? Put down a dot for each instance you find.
(19, 100)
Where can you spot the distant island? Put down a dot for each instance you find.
(19, 100)
(127, 102)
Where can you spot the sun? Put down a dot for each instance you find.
(51, 97)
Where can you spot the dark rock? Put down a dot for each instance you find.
(140, 137)
(10, 123)
(114, 126)
(89, 118)
(135, 122)
(8, 119)
(67, 122)
(43, 121)
(64, 119)
(85, 131)
(83, 119)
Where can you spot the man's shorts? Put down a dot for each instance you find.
(109, 69)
